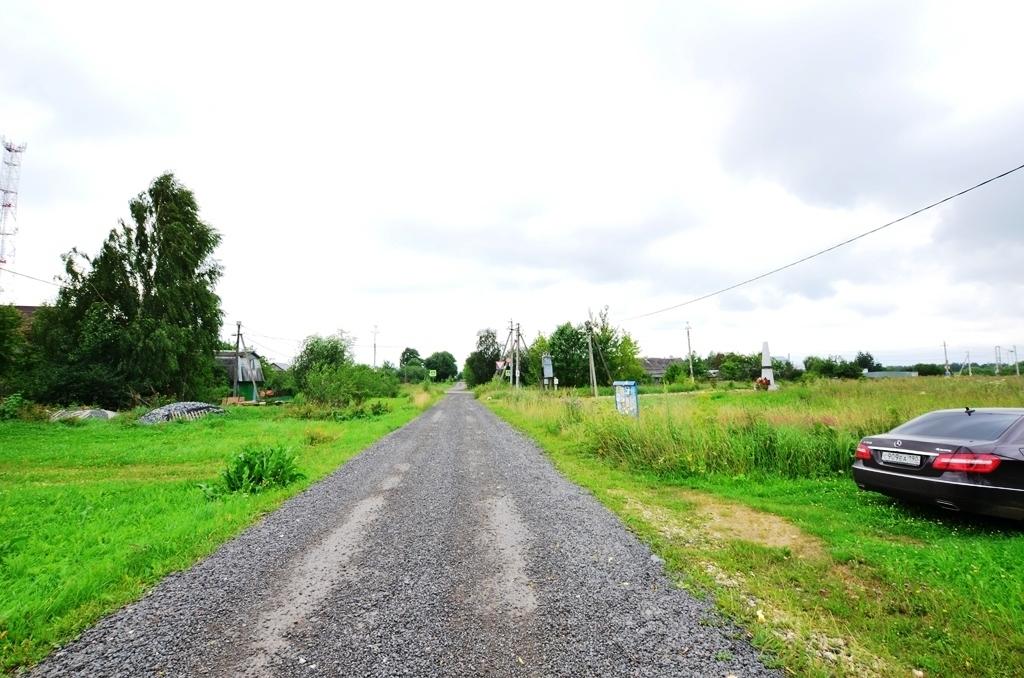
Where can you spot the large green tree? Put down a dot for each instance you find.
(568, 348)
(140, 318)
(616, 353)
(444, 363)
(480, 365)
(12, 342)
(319, 353)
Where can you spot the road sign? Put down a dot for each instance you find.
(432, 373)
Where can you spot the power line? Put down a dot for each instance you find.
(267, 336)
(48, 282)
(827, 249)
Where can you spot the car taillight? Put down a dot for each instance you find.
(968, 462)
(863, 451)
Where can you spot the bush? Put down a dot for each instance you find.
(10, 407)
(256, 468)
(338, 386)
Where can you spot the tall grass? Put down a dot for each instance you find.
(801, 431)
(95, 513)
(894, 590)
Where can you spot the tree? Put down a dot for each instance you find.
(675, 372)
(12, 341)
(334, 351)
(410, 356)
(412, 373)
(733, 366)
(480, 364)
(568, 348)
(616, 354)
(281, 382)
(140, 318)
(928, 369)
(866, 361)
(832, 367)
(533, 360)
(444, 363)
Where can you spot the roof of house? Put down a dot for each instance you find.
(27, 311)
(656, 366)
(249, 367)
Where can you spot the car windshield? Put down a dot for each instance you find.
(960, 425)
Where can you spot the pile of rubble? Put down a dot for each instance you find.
(185, 410)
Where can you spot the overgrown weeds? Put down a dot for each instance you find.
(891, 588)
(256, 468)
(802, 431)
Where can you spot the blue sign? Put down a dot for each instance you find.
(627, 397)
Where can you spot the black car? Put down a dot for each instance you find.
(961, 460)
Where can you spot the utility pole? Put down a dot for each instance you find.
(511, 352)
(969, 372)
(590, 351)
(517, 357)
(374, 347)
(945, 356)
(689, 351)
(234, 377)
(1016, 365)
(999, 358)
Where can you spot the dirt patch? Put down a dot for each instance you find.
(735, 521)
(715, 519)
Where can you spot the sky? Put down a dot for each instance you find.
(433, 169)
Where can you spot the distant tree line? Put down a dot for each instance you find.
(414, 369)
(616, 355)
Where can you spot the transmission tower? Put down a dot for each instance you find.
(10, 173)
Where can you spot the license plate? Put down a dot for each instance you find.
(900, 458)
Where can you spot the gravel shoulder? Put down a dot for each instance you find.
(451, 547)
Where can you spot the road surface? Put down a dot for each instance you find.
(449, 548)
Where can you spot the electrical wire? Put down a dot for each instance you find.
(47, 282)
(826, 250)
(267, 336)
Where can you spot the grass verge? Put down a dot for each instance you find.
(94, 513)
(831, 581)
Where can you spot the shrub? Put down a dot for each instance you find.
(12, 406)
(256, 468)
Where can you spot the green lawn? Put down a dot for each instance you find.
(92, 515)
(870, 586)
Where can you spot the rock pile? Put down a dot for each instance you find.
(186, 410)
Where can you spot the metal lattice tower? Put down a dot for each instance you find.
(10, 173)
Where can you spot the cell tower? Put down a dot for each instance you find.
(10, 173)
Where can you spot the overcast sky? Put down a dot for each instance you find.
(436, 168)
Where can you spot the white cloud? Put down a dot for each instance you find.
(435, 169)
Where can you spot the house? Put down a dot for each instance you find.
(656, 367)
(27, 312)
(246, 364)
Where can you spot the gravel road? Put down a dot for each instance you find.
(451, 547)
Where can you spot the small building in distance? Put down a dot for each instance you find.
(246, 364)
(655, 367)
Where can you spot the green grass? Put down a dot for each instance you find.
(882, 587)
(94, 513)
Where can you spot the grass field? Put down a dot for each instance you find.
(747, 496)
(93, 514)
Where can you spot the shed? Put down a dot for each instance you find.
(246, 364)
(656, 367)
